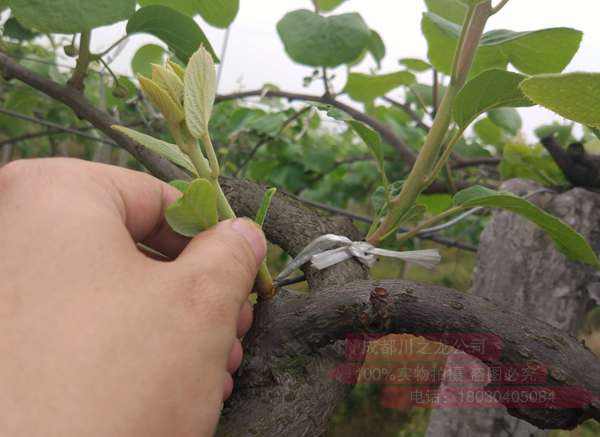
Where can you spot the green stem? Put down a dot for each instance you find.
(83, 61)
(212, 156)
(499, 7)
(463, 59)
(264, 282)
(97, 56)
(441, 163)
(429, 223)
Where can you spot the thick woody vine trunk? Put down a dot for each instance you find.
(519, 267)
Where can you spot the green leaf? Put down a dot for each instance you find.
(452, 10)
(491, 89)
(435, 203)
(218, 13)
(146, 56)
(506, 118)
(415, 64)
(562, 132)
(575, 96)
(264, 206)
(180, 185)
(488, 132)
(15, 30)
(179, 31)
(471, 150)
(328, 5)
(366, 88)
(376, 47)
(195, 211)
(186, 7)
(535, 52)
(372, 140)
(568, 241)
(530, 162)
(70, 16)
(162, 148)
(200, 88)
(312, 39)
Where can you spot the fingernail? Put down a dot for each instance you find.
(253, 235)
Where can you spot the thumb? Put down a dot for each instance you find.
(228, 256)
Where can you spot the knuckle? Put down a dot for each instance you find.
(233, 258)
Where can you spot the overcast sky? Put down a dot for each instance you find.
(256, 56)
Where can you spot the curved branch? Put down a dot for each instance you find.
(307, 324)
(403, 150)
(284, 385)
(84, 109)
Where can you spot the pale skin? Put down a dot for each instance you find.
(99, 339)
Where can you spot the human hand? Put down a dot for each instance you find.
(98, 339)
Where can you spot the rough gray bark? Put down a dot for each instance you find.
(521, 268)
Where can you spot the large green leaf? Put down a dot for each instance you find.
(366, 88)
(70, 16)
(188, 7)
(575, 96)
(312, 39)
(195, 211)
(491, 89)
(166, 150)
(535, 52)
(451, 10)
(218, 13)
(146, 56)
(179, 31)
(567, 240)
(328, 5)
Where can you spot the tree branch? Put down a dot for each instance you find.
(403, 150)
(476, 162)
(74, 99)
(409, 111)
(284, 385)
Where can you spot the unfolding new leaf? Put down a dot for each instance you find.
(195, 211)
(261, 215)
(200, 87)
(568, 241)
(575, 96)
(166, 150)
